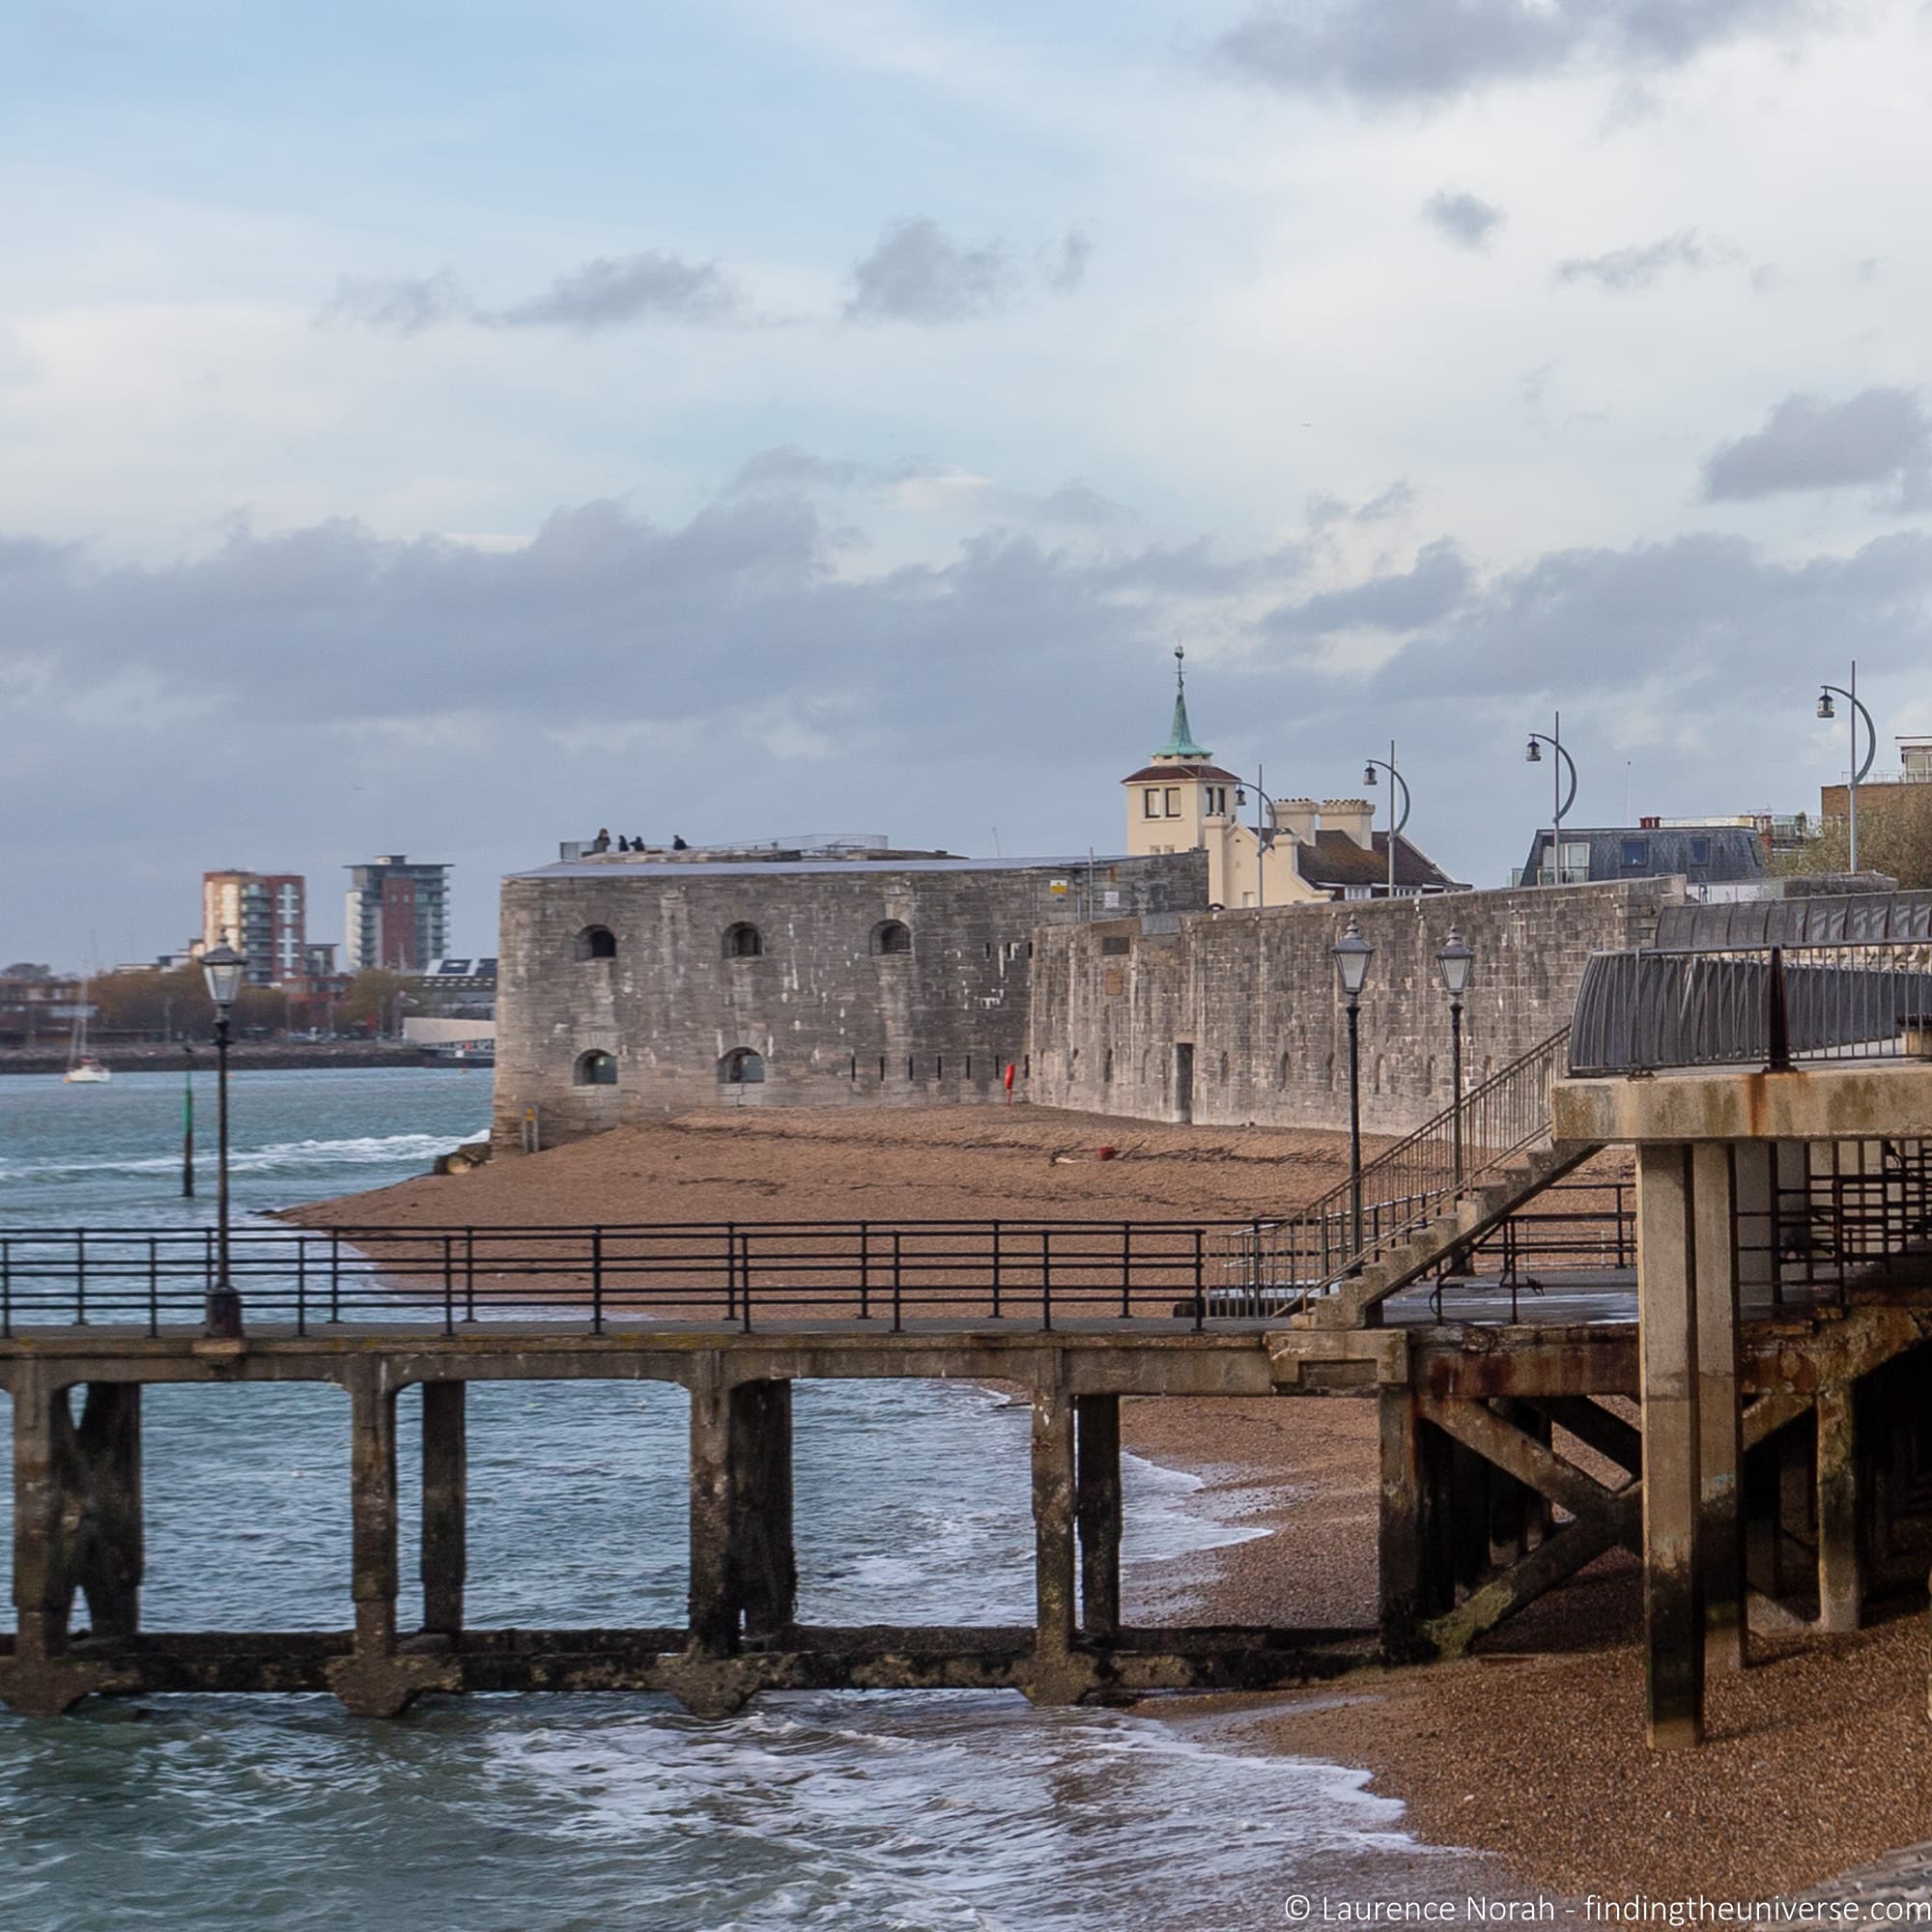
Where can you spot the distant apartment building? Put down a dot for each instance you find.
(1716, 857)
(396, 915)
(264, 916)
(1880, 794)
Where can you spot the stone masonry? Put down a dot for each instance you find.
(1232, 1018)
(680, 971)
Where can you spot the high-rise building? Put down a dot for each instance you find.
(397, 915)
(264, 916)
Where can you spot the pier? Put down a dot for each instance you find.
(1682, 1314)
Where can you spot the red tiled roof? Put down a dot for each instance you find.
(1336, 859)
(1175, 774)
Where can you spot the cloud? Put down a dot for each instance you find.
(1461, 218)
(1880, 436)
(786, 467)
(1435, 584)
(916, 273)
(408, 304)
(1385, 52)
(1623, 270)
(611, 292)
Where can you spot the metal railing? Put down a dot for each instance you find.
(735, 1274)
(1764, 1005)
(1311, 1253)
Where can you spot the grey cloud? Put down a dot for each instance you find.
(786, 467)
(917, 274)
(1387, 505)
(609, 293)
(1638, 266)
(614, 289)
(408, 304)
(1435, 584)
(1385, 52)
(1880, 436)
(1076, 502)
(1463, 219)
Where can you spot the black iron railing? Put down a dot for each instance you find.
(1309, 1254)
(1037, 1272)
(1765, 1005)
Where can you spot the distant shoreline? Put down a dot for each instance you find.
(263, 1057)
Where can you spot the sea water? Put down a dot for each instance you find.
(549, 1814)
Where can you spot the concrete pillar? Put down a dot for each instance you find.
(763, 1563)
(445, 1502)
(1053, 1522)
(373, 1512)
(1667, 1348)
(714, 1612)
(1403, 1549)
(1098, 1512)
(1721, 1548)
(1840, 1568)
(43, 1568)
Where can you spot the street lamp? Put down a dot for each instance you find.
(1265, 830)
(1826, 710)
(1399, 784)
(1563, 800)
(1352, 953)
(1456, 964)
(223, 967)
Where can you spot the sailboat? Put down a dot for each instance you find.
(82, 1069)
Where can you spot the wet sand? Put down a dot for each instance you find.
(1819, 1757)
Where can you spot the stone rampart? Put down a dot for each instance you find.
(831, 984)
(1232, 1017)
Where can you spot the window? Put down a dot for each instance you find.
(1700, 851)
(1150, 802)
(597, 942)
(1637, 851)
(741, 1067)
(1174, 801)
(891, 937)
(1216, 797)
(743, 942)
(1115, 944)
(595, 1070)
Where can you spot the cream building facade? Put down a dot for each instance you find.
(1262, 852)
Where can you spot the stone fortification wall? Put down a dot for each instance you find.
(834, 1019)
(1242, 1009)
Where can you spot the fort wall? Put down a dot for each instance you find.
(1234, 1017)
(678, 995)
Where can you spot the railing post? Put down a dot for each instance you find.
(996, 1270)
(80, 1279)
(449, 1284)
(469, 1274)
(334, 1276)
(1126, 1271)
(1200, 1283)
(898, 1237)
(301, 1284)
(597, 1281)
(745, 1279)
(154, 1287)
(730, 1269)
(5, 1287)
(1777, 1021)
(1046, 1279)
(864, 1270)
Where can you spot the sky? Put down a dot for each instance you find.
(449, 428)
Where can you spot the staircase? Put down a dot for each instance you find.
(1454, 1179)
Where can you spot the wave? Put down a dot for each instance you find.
(273, 1158)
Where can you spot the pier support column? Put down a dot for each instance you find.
(1672, 1498)
(1720, 1432)
(712, 1612)
(1404, 1548)
(1098, 1512)
(445, 1507)
(763, 1561)
(1054, 1678)
(375, 1681)
(40, 1679)
(1841, 1565)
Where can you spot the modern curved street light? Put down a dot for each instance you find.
(1826, 709)
(1398, 785)
(1563, 800)
(1266, 829)
(222, 968)
(1353, 954)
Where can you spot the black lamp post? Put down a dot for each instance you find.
(1398, 802)
(223, 967)
(1565, 765)
(1456, 964)
(1352, 953)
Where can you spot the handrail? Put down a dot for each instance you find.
(1310, 1253)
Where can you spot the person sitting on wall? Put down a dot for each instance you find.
(623, 843)
(637, 843)
(602, 843)
(677, 843)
